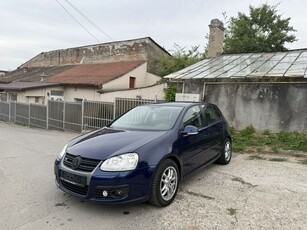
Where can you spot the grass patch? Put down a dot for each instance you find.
(278, 159)
(256, 157)
(249, 138)
(232, 211)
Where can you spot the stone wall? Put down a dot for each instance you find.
(139, 49)
(276, 107)
(273, 106)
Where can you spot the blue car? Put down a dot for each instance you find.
(144, 154)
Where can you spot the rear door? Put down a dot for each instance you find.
(214, 129)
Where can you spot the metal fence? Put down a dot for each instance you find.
(97, 114)
(38, 115)
(65, 115)
(122, 105)
(5, 111)
(70, 116)
(22, 115)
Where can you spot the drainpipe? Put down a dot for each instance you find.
(204, 91)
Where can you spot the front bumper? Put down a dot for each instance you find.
(107, 187)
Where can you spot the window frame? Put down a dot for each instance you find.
(218, 115)
(182, 126)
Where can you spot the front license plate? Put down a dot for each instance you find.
(73, 179)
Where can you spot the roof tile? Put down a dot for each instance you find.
(94, 74)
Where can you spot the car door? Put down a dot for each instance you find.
(192, 148)
(214, 130)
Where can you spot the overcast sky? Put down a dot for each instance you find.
(28, 28)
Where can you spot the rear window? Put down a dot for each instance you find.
(210, 115)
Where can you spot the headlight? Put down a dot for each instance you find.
(61, 154)
(124, 162)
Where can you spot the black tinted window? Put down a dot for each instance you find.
(210, 114)
(193, 117)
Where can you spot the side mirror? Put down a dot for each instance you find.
(190, 130)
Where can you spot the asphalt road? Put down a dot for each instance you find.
(246, 194)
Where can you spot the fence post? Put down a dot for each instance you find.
(29, 122)
(9, 111)
(64, 115)
(114, 108)
(15, 112)
(47, 115)
(82, 114)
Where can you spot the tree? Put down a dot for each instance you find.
(263, 30)
(179, 59)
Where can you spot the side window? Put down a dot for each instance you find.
(210, 114)
(193, 117)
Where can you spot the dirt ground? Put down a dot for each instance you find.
(249, 193)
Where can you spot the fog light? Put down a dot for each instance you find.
(105, 193)
(116, 194)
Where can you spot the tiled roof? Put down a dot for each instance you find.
(248, 65)
(25, 85)
(33, 74)
(94, 74)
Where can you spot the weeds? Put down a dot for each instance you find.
(256, 157)
(249, 138)
(277, 159)
(232, 211)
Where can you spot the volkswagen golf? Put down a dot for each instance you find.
(144, 154)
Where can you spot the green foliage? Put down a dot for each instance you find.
(179, 60)
(248, 131)
(257, 157)
(278, 159)
(248, 138)
(170, 93)
(295, 141)
(232, 211)
(263, 30)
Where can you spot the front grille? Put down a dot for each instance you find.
(74, 188)
(86, 165)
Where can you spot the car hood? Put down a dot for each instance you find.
(107, 142)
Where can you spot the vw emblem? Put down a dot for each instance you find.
(76, 162)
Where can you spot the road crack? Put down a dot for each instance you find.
(198, 195)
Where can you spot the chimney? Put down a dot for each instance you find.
(216, 38)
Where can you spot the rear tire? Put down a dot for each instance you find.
(165, 184)
(226, 153)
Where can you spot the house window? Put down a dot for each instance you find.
(78, 100)
(13, 96)
(3, 97)
(57, 93)
(36, 99)
(131, 82)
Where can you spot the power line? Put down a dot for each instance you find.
(89, 20)
(78, 22)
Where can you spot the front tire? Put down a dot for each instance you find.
(226, 153)
(165, 184)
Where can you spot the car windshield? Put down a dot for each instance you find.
(149, 117)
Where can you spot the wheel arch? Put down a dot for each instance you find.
(176, 160)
